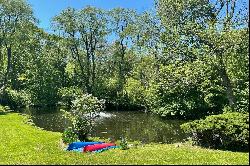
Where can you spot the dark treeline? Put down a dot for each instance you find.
(187, 59)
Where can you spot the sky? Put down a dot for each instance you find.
(44, 10)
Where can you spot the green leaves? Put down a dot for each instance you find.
(87, 104)
(228, 130)
(66, 21)
(69, 136)
(84, 109)
(204, 32)
(18, 98)
(14, 14)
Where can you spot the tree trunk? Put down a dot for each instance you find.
(229, 88)
(4, 85)
(87, 83)
(93, 71)
(8, 68)
(121, 66)
(76, 55)
(156, 59)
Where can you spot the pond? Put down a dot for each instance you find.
(136, 126)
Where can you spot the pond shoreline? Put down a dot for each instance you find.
(135, 125)
(36, 146)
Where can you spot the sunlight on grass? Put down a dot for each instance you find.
(25, 144)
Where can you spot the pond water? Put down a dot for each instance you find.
(136, 126)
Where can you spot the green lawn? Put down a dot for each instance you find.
(21, 143)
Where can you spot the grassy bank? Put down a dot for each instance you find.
(22, 143)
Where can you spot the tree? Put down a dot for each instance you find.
(202, 30)
(15, 16)
(122, 21)
(149, 31)
(85, 108)
(85, 32)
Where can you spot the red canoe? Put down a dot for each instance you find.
(95, 147)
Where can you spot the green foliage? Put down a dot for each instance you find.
(187, 60)
(140, 87)
(17, 98)
(13, 29)
(135, 92)
(49, 75)
(84, 110)
(184, 91)
(87, 103)
(3, 109)
(69, 136)
(216, 36)
(91, 23)
(243, 97)
(226, 131)
(68, 94)
(124, 144)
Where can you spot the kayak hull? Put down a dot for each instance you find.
(77, 145)
(95, 147)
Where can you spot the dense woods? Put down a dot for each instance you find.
(183, 60)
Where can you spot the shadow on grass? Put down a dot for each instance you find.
(236, 148)
(3, 113)
(6, 112)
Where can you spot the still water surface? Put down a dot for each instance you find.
(136, 126)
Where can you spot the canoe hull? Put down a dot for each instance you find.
(77, 145)
(95, 147)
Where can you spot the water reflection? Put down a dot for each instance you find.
(137, 126)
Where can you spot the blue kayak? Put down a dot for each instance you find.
(77, 145)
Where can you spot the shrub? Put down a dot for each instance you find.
(17, 98)
(84, 110)
(82, 126)
(225, 131)
(2, 109)
(124, 144)
(69, 136)
(168, 111)
(184, 92)
(5, 109)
